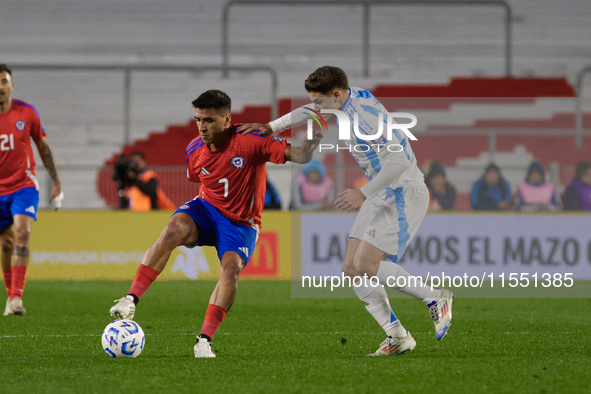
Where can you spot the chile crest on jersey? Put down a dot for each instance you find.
(238, 162)
(20, 125)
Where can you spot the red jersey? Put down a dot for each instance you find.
(233, 178)
(17, 163)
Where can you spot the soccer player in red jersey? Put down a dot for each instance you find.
(226, 213)
(19, 189)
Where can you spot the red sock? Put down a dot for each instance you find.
(143, 279)
(18, 281)
(7, 280)
(214, 316)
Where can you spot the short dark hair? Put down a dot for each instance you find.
(4, 67)
(326, 79)
(581, 169)
(215, 99)
(139, 154)
(492, 167)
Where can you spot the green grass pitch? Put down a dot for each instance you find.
(272, 343)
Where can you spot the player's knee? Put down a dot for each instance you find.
(7, 246)
(349, 270)
(348, 267)
(22, 235)
(174, 233)
(230, 268)
(359, 266)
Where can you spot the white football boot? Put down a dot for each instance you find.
(395, 346)
(203, 349)
(124, 308)
(440, 310)
(16, 307)
(7, 309)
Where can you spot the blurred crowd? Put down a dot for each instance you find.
(314, 189)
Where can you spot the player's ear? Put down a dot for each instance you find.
(337, 95)
(228, 120)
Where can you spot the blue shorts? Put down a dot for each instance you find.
(219, 231)
(22, 202)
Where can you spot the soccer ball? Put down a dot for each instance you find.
(123, 338)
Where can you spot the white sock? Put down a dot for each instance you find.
(378, 306)
(391, 274)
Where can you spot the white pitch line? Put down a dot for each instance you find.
(185, 334)
(230, 333)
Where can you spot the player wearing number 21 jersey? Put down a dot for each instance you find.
(19, 190)
(226, 213)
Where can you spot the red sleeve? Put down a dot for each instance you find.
(37, 130)
(273, 150)
(192, 169)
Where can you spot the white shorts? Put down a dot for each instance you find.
(390, 221)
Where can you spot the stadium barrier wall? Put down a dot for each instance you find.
(88, 245)
(462, 243)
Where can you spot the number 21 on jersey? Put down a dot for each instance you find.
(6, 142)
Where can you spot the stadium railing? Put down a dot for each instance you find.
(579, 110)
(365, 56)
(127, 71)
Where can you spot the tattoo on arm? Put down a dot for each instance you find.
(48, 162)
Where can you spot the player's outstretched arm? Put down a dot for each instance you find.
(49, 163)
(297, 117)
(303, 154)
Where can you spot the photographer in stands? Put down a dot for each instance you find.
(138, 186)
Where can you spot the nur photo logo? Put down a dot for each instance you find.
(389, 126)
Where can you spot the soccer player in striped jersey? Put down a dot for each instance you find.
(392, 205)
(19, 189)
(226, 213)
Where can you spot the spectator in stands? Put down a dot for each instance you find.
(142, 190)
(272, 198)
(443, 193)
(492, 191)
(577, 196)
(535, 193)
(313, 189)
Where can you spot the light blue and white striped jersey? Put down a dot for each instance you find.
(371, 155)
